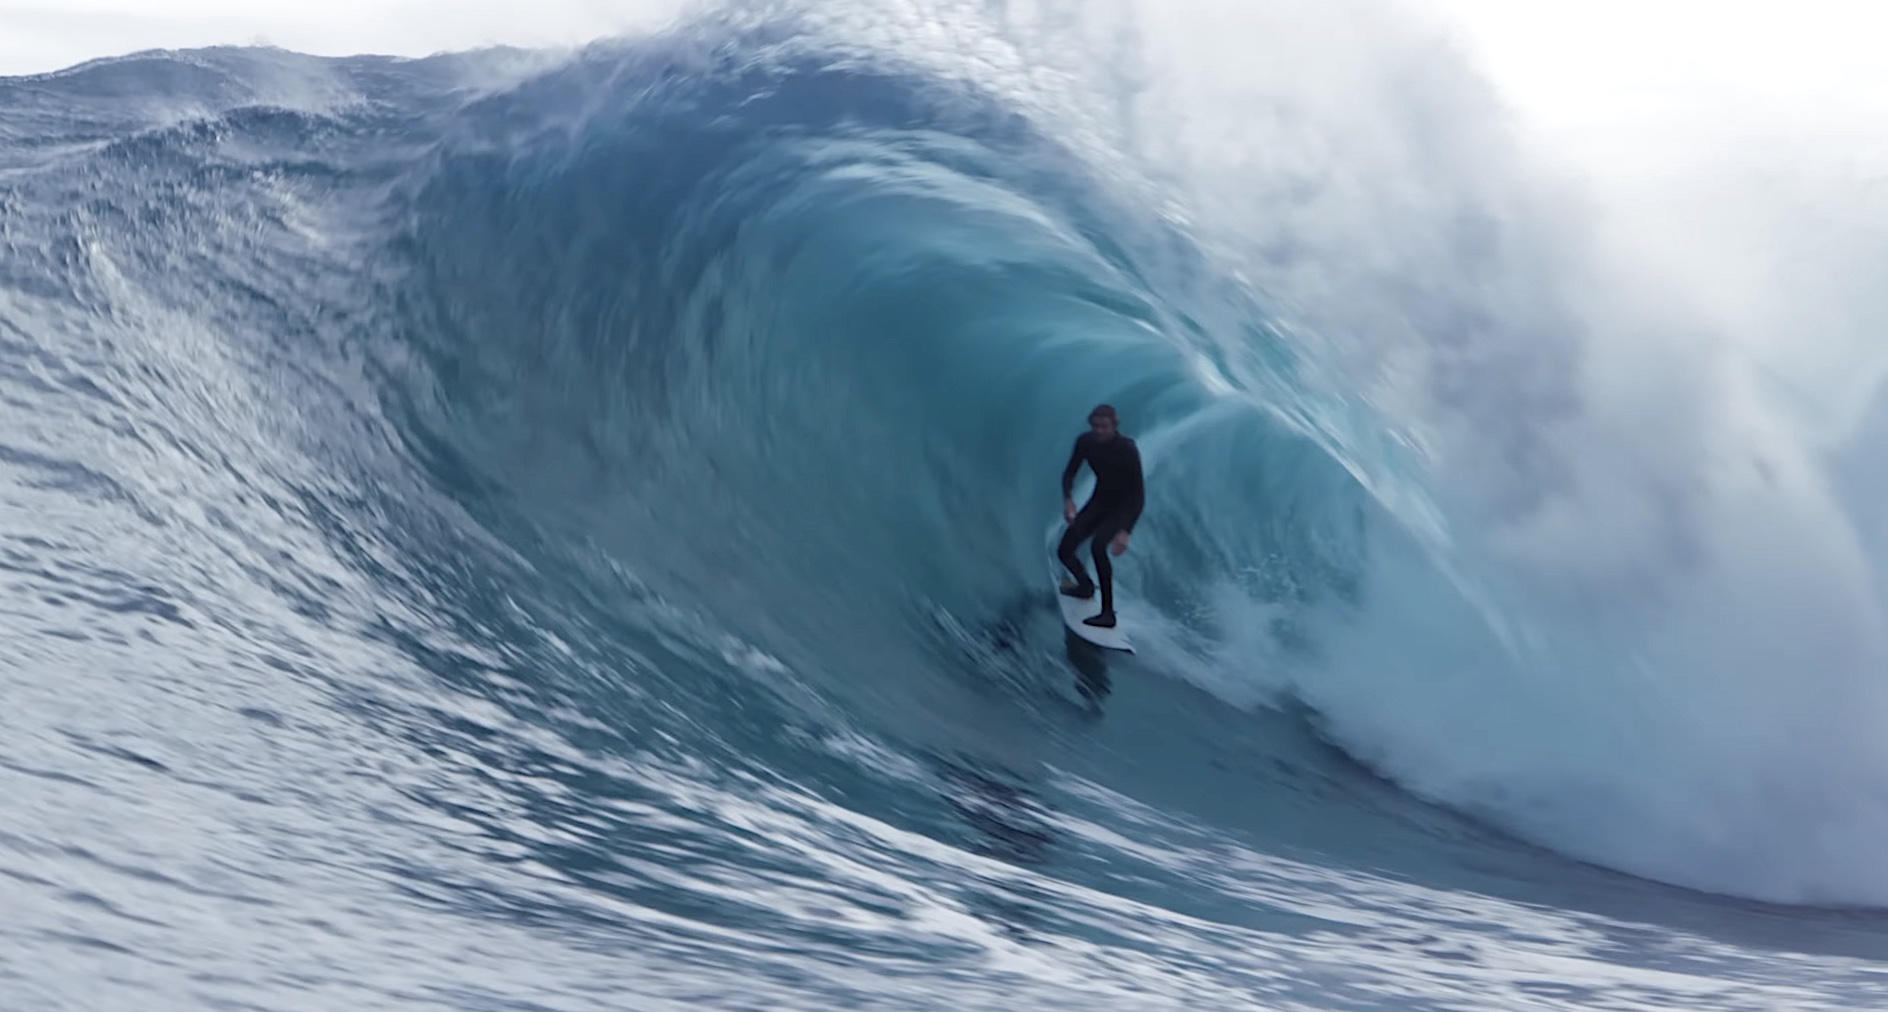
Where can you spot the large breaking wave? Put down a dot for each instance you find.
(701, 398)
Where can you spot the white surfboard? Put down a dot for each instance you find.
(1075, 609)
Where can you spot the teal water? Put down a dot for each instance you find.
(506, 531)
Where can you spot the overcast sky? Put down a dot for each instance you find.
(1628, 71)
(1600, 74)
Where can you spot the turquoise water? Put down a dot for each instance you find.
(513, 531)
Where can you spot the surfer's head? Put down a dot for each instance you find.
(1102, 421)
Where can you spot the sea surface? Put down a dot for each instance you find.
(568, 531)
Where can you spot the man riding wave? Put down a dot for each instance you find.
(1109, 515)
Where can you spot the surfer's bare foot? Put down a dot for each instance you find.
(1083, 591)
(1105, 620)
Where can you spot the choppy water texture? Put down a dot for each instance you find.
(567, 532)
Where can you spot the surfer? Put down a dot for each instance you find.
(1110, 513)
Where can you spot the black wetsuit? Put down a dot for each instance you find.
(1115, 506)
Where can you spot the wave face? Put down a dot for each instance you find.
(529, 531)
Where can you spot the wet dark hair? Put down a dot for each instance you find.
(1104, 411)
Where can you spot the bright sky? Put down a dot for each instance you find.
(1606, 76)
(1615, 72)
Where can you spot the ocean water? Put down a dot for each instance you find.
(521, 530)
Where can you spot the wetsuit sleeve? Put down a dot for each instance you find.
(1137, 489)
(1075, 464)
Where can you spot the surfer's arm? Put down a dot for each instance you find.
(1137, 491)
(1075, 464)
